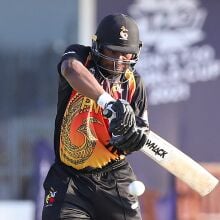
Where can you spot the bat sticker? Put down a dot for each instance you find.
(157, 150)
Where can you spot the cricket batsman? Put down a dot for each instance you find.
(90, 175)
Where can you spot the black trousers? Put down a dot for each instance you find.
(101, 195)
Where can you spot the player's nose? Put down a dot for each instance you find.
(121, 56)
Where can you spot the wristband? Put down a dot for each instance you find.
(104, 99)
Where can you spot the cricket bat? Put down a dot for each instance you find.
(176, 162)
(179, 164)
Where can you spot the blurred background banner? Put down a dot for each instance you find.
(180, 64)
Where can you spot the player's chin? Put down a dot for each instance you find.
(115, 71)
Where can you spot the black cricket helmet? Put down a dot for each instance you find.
(116, 32)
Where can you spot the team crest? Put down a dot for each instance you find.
(51, 197)
(116, 88)
(124, 33)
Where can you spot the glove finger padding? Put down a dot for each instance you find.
(120, 140)
(119, 127)
(134, 140)
(125, 118)
(141, 143)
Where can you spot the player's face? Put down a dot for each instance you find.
(117, 61)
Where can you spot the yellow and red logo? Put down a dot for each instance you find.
(50, 198)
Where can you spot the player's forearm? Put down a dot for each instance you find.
(80, 79)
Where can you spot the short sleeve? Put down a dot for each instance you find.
(75, 51)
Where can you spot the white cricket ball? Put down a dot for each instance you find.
(136, 188)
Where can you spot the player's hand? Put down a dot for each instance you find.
(124, 118)
(133, 140)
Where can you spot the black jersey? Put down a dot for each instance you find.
(81, 132)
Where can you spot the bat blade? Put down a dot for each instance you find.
(179, 164)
